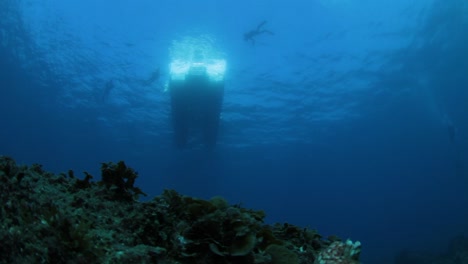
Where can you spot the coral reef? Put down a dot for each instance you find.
(48, 218)
(340, 253)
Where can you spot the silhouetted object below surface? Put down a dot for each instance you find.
(196, 100)
(155, 75)
(259, 30)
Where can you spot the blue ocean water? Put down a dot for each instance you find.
(352, 118)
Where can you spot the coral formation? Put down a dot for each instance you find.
(340, 253)
(48, 218)
(121, 179)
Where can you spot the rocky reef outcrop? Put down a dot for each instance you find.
(60, 218)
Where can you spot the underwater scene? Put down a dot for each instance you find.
(211, 132)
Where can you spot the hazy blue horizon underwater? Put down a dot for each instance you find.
(350, 119)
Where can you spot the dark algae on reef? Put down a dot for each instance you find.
(60, 218)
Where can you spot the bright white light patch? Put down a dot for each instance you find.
(215, 69)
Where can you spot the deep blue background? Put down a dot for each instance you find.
(337, 122)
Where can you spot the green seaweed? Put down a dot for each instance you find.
(121, 179)
(85, 183)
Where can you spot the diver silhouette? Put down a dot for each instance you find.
(453, 137)
(108, 87)
(452, 132)
(155, 75)
(259, 30)
(451, 129)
